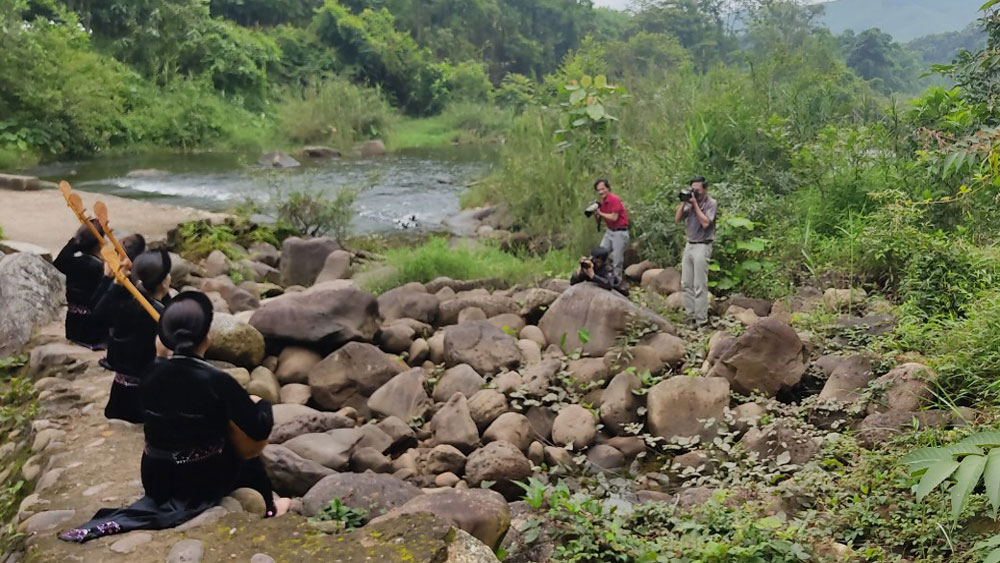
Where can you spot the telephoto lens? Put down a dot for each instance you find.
(591, 209)
(684, 195)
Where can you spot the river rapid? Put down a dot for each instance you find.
(413, 189)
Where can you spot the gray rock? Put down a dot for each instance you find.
(401, 435)
(403, 396)
(483, 514)
(303, 259)
(370, 459)
(250, 500)
(186, 551)
(490, 305)
(458, 379)
(539, 377)
(337, 266)
(452, 424)
(907, 388)
(377, 493)
(396, 338)
(235, 342)
(32, 293)
(294, 364)
(308, 423)
(442, 458)
(486, 405)
(297, 393)
(482, 346)
(588, 373)
(510, 427)
(847, 376)
(216, 264)
(409, 301)
(680, 406)
(767, 357)
(130, 542)
(323, 318)
(605, 458)
(277, 160)
(574, 425)
(44, 521)
(261, 558)
(372, 148)
(264, 253)
(619, 405)
(290, 473)
(576, 311)
(499, 462)
(264, 384)
(780, 443)
(352, 374)
(330, 449)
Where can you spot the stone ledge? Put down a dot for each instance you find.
(19, 183)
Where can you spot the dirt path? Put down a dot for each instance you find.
(42, 218)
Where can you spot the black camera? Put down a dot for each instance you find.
(591, 209)
(684, 195)
(586, 263)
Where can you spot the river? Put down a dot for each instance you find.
(410, 189)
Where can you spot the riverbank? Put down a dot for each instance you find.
(42, 218)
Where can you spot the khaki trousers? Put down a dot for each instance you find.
(694, 280)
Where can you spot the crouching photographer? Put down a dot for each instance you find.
(597, 268)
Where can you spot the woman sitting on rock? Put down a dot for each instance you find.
(134, 245)
(84, 272)
(190, 460)
(132, 345)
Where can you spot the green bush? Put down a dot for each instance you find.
(467, 82)
(335, 112)
(313, 215)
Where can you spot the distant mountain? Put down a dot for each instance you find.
(903, 19)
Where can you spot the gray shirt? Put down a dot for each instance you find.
(695, 232)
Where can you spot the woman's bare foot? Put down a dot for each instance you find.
(281, 505)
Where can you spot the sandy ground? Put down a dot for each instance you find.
(42, 217)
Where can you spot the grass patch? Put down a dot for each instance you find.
(463, 123)
(18, 407)
(436, 258)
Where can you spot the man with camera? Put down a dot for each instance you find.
(610, 208)
(698, 210)
(595, 268)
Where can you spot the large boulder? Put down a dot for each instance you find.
(323, 318)
(482, 513)
(486, 405)
(374, 147)
(484, 347)
(374, 492)
(907, 388)
(32, 293)
(409, 301)
(534, 301)
(663, 281)
(290, 473)
(350, 375)
(265, 253)
(603, 314)
(768, 357)
(303, 259)
(403, 396)
(503, 464)
(680, 406)
(235, 341)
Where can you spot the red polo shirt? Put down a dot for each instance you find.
(613, 204)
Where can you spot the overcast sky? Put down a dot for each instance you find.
(622, 4)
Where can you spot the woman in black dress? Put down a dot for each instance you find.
(132, 345)
(84, 272)
(134, 245)
(189, 462)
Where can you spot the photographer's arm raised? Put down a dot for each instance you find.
(702, 218)
(681, 213)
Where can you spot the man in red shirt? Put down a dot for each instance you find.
(612, 211)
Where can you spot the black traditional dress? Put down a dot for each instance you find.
(84, 278)
(131, 349)
(188, 463)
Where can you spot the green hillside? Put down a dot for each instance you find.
(903, 19)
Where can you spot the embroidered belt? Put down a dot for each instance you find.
(187, 455)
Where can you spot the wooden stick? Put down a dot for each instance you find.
(76, 204)
(111, 257)
(101, 212)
